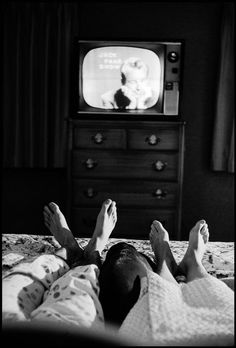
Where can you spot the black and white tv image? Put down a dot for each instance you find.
(129, 77)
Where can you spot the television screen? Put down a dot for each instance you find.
(119, 77)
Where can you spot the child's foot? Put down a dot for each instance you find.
(105, 224)
(57, 225)
(159, 239)
(198, 238)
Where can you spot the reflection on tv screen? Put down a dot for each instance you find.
(120, 77)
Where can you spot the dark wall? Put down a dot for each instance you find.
(24, 194)
(206, 194)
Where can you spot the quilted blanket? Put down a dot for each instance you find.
(17, 248)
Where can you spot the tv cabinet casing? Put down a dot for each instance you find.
(138, 164)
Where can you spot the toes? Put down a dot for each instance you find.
(47, 214)
(115, 215)
(157, 226)
(200, 224)
(112, 211)
(153, 229)
(151, 235)
(47, 217)
(106, 204)
(47, 211)
(202, 228)
(112, 207)
(54, 207)
(205, 233)
(47, 224)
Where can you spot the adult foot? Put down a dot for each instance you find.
(198, 238)
(56, 223)
(159, 239)
(106, 221)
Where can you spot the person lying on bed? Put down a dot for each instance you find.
(62, 287)
(164, 312)
(150, 305)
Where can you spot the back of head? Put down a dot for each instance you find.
(119, 282)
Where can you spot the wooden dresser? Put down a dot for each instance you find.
(139, 164)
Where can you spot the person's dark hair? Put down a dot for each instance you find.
(119, 281)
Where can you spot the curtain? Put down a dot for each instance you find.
(223, 136)
(37, 49)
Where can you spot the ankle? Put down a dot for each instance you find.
(191, 260)
(95, 258)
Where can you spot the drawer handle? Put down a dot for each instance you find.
(90, 193)
(159, 165)
(160, 194)
(153, 139)
(90, 163)
(98, 138)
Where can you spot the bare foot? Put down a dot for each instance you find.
(198, 238)
(57, 225)
(159, 239)
(105, 224)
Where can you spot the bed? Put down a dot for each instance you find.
(17, 248)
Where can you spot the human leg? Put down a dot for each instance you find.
(106, 221)
(166, 264)
(73, 298)
(72, 252)
(191, 265)
(25, 287)
(56, 223)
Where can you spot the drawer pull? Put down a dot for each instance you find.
(160, 194)
(90, 193)
(90, 163)
(159, 165)
(152, 139)
(98, 138)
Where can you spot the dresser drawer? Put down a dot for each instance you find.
(126, 193)
(128, 164)
(99, 138)
(131, 223)
(159, 138)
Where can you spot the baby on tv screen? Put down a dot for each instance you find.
(121, 78)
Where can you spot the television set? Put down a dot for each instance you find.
(128, 78)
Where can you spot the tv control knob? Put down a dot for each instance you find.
(173, 57)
